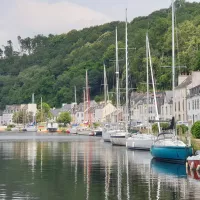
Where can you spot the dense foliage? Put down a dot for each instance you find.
(155, 127)
(64, 118)
(195, 130)
(51, 66)
(22, 117)
(43, 113)
(181, 129)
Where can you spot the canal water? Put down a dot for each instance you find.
(86, 168)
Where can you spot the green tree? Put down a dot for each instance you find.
(155, 127)
(22, 117)
(64, 117)
(44, 113)
(196, 129)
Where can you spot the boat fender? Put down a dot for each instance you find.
(198, 168)
(192, 166)
(187, 166)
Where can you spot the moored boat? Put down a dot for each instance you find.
(140, 141)
(167, 147)
(118, 138)
(194, 161)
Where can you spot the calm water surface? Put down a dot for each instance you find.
(85, 168)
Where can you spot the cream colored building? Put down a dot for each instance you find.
(103, 113)
(185, 83)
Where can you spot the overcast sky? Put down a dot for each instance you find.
(31, 17)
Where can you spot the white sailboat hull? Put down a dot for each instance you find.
(118, 138)
(140, 141)
(31, 129)
(106, 136)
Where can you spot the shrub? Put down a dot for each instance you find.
(181, 129)
(8, 129)
(155, 127)
(196, 129)
(96, 125)
(11, 126)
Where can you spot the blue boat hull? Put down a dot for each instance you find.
(175, 153)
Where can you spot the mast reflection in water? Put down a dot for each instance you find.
(88, 169)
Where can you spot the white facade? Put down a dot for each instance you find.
(32, 107)
(181, 94)
(166, 108)
(79, 117)
(11, 109)
(139, 112)
(193, 104)
(104, 113)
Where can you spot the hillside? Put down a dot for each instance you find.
(51, 66)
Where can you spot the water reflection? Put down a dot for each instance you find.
(168, 168)
(88, 170)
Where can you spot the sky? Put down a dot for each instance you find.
(31, 17)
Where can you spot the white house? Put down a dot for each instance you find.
(166, 108)
(193, 104)
(185, 83)
(139, 111)
(11, 109)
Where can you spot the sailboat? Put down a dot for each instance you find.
(85, 130)
(144, 141)
(112, 129)
(167, 146)
(119, 136)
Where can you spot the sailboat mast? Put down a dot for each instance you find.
(41, 109)
(75, 94)
(147, 65)
(173, 60)
(105, 85)
(84, 107)
(154, 91)
(117, 78)
(126, 41)
(87, 100)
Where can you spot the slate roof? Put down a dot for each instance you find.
(55, 112)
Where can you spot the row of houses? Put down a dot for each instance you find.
(97, 112)
(186, 102)
(6, 116)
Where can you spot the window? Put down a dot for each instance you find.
(170, 109)
(166, 110)
(198, 104)
(189, 105)
(195, 105)
(192, 104)
(77, 114)
(183, 105)
(81, 114)
(179, 106)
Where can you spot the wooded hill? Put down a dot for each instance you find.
(51, 66)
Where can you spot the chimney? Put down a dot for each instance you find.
(181, 78)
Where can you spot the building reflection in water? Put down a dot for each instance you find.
(99, 171)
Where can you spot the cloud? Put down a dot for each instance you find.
(30, 17)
